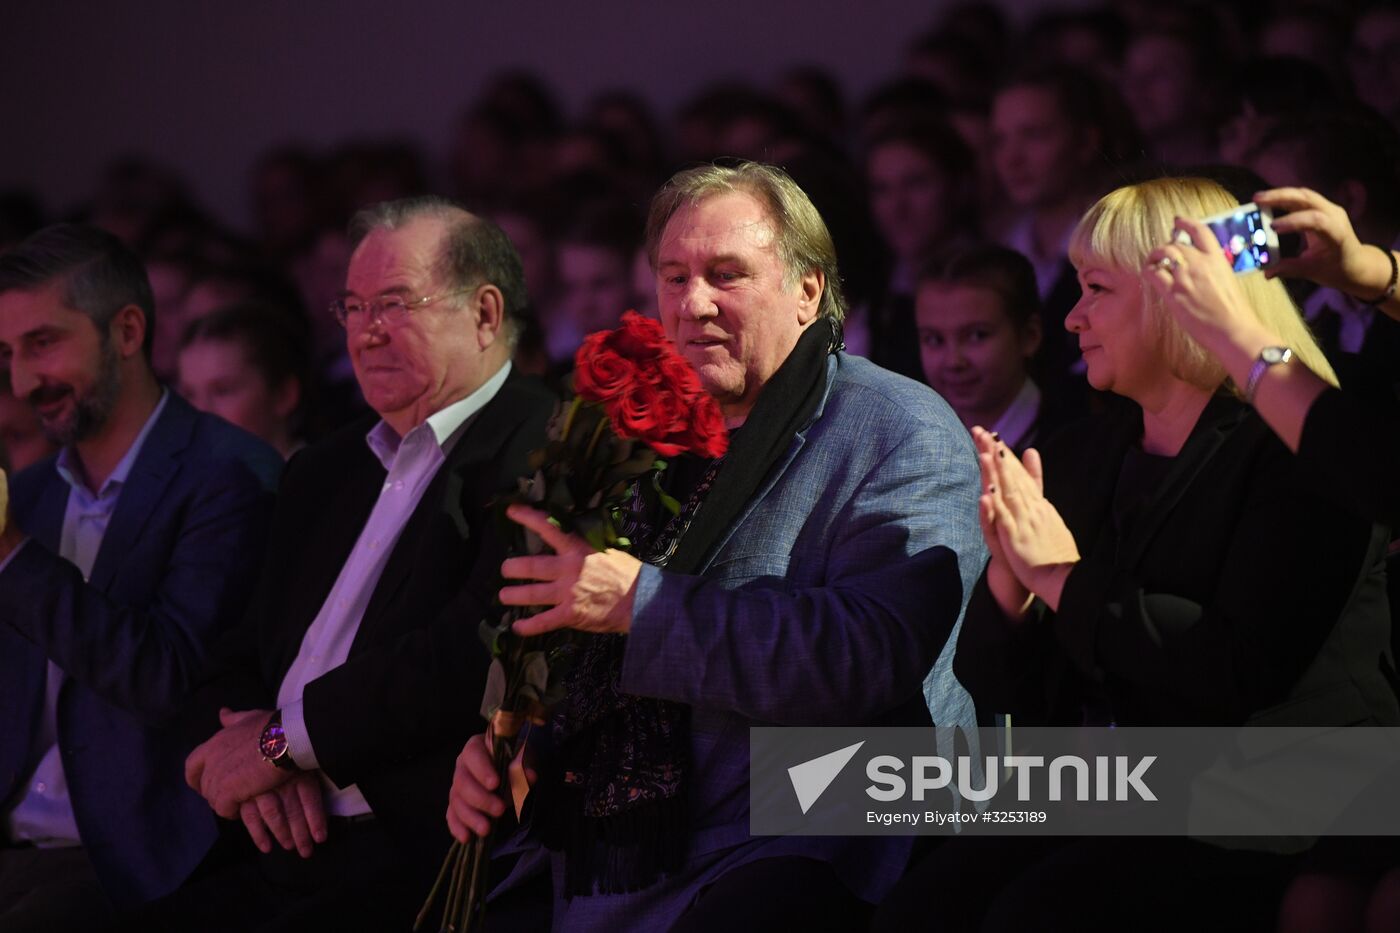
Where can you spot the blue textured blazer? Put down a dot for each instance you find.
(830, 602)
(176, 566)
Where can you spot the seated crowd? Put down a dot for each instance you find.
(1032, 449)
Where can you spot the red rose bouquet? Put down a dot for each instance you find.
(636, 401)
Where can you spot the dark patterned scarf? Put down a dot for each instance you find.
(615, 805)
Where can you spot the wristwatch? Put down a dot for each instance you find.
(272, 744)
(1269, 356)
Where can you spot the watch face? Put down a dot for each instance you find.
(273, 742)
(1272, 355)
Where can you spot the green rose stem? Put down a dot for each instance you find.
(466, 864)
(447, 865)
(593, 441)
(569, 418)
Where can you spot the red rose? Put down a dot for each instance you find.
(639, 339)
(599, 372)
(708, 435)
(650, 414)
(677, 373)
(648, 390)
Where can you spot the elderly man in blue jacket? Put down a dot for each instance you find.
(815, 576)
(124, 557)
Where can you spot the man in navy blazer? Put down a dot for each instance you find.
(121, 559)
(826, 597)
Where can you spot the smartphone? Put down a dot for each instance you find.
(1246, 233)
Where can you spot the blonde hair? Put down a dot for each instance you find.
(1127, 224)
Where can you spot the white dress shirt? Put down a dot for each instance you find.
(411, 461)
(1020, 415)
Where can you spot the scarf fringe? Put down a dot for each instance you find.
(614, 854)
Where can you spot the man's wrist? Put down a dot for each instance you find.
(273, 745)
(298, 739)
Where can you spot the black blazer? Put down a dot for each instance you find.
(394, 716)
(1237, 596)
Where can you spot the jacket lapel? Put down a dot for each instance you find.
(45, 523)
(438, 528)
(798, 442)
(335, 528)
(1219, 419)
(141, 494)
(1083, 494)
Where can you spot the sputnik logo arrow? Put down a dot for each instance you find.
(811, 778)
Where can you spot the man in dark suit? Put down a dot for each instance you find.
(358, 671)
(125, 556)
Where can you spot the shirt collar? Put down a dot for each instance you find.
(1020, 415)
(445, 425)
(70, 469)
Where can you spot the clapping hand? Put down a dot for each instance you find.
(1025, 534)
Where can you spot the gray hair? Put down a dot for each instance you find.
(804, 243)
(475, 251)
(100, 275)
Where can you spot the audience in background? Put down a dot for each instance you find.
(1172, 81)
(1095, 40)
(989, 128)
(1374, 59)
(979, 327)
(1269, 91)
(247, 363)
(1058, 136)
(594, 265)
(1310, 33)
(923, 198)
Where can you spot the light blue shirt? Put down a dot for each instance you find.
(411, 463)
(45, 815)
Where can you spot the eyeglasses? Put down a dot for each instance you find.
(391, 310)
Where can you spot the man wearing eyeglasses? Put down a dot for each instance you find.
(356, 671)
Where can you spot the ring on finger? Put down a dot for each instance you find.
(1167, 263)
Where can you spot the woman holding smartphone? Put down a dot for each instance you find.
(1343, 443)
(1163, 564)
(1170, 562)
